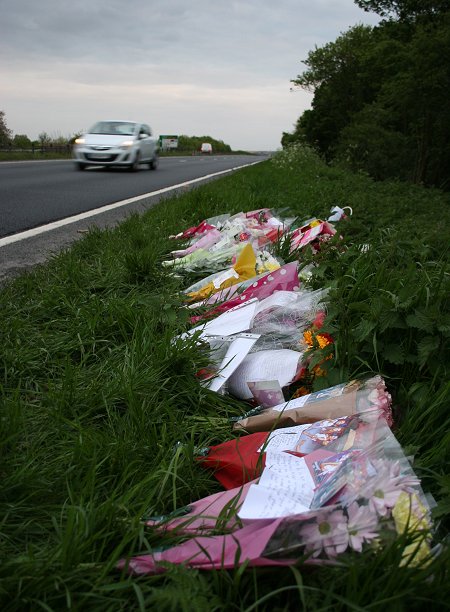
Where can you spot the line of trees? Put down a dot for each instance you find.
(22, 141)
(381, 94)
(193, 143)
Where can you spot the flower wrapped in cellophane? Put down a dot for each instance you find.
(242, 459)
(309, 508)
(356, 396)
(215, 243)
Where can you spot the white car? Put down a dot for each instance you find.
(117, 143)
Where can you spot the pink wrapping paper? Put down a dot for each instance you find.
(259, 214)
(213, 552)
(196, 230)
(207, 240)
(204, 513)
(283, 279)
(301, 237)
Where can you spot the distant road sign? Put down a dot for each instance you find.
(168, 141)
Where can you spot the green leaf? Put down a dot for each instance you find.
(359, 307)
(426, 347)
(377, 306)
(390, 319)
(394, 354)
(316, 358)
(443, 328)
(420, 321)
(364, 328)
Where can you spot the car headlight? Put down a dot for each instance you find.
(126, 144)
(79, 140)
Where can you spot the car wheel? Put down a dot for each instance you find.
(80, 166)
(134, 167)
(154, 163)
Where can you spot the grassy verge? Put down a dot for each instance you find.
(101, 413)
(28, 156)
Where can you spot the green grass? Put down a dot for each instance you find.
(101, 414)
(28, 155)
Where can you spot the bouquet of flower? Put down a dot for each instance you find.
(240, 460)
(284, 278)
(350, 501)
(354, 397)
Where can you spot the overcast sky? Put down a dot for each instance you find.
(195, 67)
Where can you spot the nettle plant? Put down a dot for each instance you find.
(387, 312)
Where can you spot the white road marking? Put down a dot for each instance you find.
(91, 213)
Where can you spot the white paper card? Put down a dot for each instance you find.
(297, 402)
(234, 321)
(283, 439)
(278, 365)
(261, 503)
(236, 353)
(286, 487)
(231, 273)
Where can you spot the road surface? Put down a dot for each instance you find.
(44, 205)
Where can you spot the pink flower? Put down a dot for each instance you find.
(381, 399)
(386, 486)
(327, 533)
(362, 525)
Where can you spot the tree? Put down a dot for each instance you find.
(334, 75)
(5, 133)
(44, 138)
(21, 141)
(193, 143)
(381, 99)
(405, 9)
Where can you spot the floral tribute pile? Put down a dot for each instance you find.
(311, 474)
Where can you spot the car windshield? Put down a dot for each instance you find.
(122, 128)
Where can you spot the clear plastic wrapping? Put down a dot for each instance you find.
(346, 399)
(281, 324)
(366, 497)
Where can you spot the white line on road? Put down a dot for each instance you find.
(91, 213)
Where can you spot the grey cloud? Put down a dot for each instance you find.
(258, 34)
(110, 51)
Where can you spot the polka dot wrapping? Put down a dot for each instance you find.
(283, 279)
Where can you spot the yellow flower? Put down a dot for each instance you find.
(410, 515)
(322, 340)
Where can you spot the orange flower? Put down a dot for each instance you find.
(300, 392)
(308, 337)
(323, 341)
(317, 371)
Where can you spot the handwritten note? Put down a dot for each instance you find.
(286, 487)
(283, 439)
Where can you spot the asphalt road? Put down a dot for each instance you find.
(42, 204)
(36, 193)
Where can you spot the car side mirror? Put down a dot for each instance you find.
(141, 136)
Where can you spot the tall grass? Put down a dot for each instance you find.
(101, 414)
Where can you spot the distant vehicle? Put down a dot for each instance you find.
(117, 143)
(206, 148)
